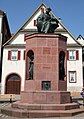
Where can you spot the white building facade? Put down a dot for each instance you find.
(13, 69)
(0, 35)
(14, 66)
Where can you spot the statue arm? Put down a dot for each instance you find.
(40, 17)
(54, 19)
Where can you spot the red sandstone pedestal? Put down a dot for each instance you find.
(45, 95)
(46, 49)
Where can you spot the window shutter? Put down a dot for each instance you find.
(25, 37)
(67, 54)
(19, 55)
(42, 10)
(77, 55)
(9, 55)
(34, 22)
(24, 55)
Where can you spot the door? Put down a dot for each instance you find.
(13, 84)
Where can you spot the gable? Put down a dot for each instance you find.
(70, 40)
(19, 39)
(60, 27)
(30, 25)
(80, 39)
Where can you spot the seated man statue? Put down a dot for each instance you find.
(46, 23)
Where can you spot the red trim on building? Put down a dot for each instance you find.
(34, 22)
(25, 37)
(77, 55)
(19, 55)
(9, 55)
(24, 55)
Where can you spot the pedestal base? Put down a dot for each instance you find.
(26, 110)
(45, 97)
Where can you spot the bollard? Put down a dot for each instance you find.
(10, 98)
(83, 101)
(82, 94)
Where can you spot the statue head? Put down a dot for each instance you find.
(48, 9)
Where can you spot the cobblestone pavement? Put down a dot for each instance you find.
(80, 116)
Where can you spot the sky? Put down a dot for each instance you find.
(70, 11)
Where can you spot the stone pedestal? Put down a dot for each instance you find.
(46, 86)
(45, 97)
(45, 94)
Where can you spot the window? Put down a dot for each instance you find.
(72, 54)
(72, 76)
(14, 55)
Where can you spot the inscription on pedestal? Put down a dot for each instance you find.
(46, 50)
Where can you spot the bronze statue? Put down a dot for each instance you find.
(46, 23)
(31, 70)
(31, 67)
(61, 66)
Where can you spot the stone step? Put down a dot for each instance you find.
(67, 106)
(15, 112)
(51, 113)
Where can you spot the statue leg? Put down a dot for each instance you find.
(43, 28)
(47, 28)
(39, 26)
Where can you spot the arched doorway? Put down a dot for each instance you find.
(13, 84)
